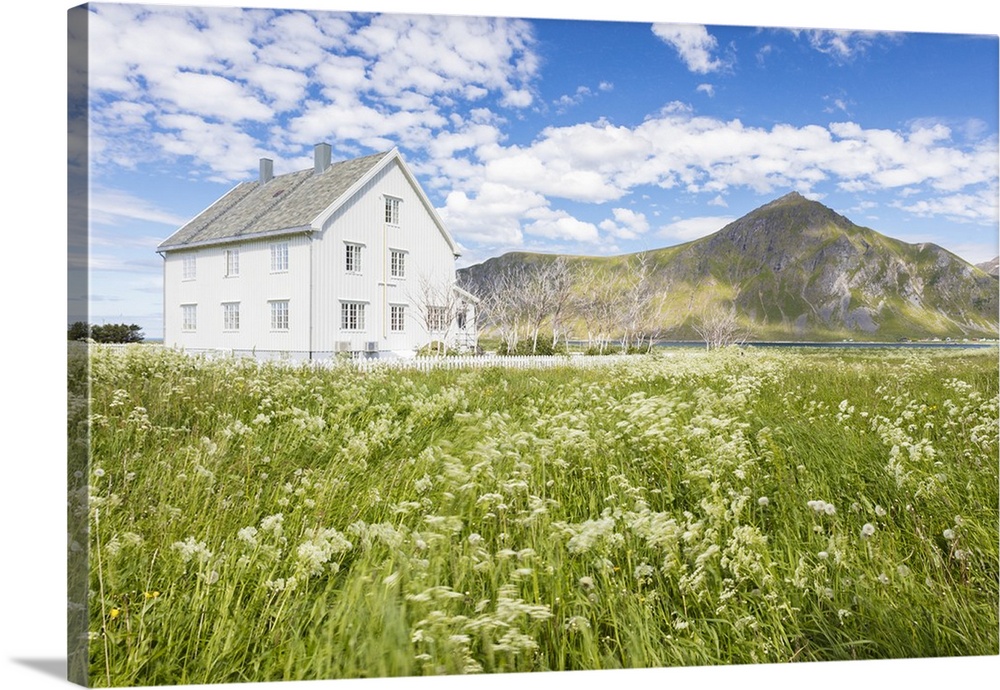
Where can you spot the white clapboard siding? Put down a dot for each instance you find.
(362, 222)
(253, 289)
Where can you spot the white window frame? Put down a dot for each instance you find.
(232, 258)
(392, 204)
(279, 257)
(189, 317)
(352, 316)
(397, 264)
(230, 316)
(279, 314)
(352, 257)
(189, 267)
(437, 319)
(397, 318)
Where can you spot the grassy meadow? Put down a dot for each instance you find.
(256, 522)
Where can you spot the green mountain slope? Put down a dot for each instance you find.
(795, 269)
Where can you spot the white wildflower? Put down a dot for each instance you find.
(281, 584)
(949, 534)
(867, 530)
(321, 546)
(643, 571)
(132, 539)
(880, 511)
(273, 524)
(190, 549)
(589, 533)
(762, 501)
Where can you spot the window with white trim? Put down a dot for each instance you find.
(392, 210)
(279, 257)
(189, 317)
(189, 267)
(352, 254)
(397, 263)
(279, 315)
(231, 316)
(232, 262)
(352, 316)
(437, 318)
(397, 318)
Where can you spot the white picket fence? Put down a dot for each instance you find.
(431, 363)
(487, 361)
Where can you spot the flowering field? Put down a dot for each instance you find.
(253, 523)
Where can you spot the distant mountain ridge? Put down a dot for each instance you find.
(992, 266)
(795, 269)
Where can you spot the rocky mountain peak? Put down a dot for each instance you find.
(794, 268)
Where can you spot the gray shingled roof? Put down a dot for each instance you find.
(284, 202)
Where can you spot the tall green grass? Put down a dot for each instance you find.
(266, 522)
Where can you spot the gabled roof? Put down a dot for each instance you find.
(296, 202)
(465, 294)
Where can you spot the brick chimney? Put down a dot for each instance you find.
(266, 170)
(321, 158)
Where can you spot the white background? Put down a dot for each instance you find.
(32, 166)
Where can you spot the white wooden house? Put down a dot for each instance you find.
(343, 257)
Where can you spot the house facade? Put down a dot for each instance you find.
(346, 257)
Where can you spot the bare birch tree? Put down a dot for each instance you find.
(636, 301)
(502, 304)
(720, 327)
(436, 305)
(545, 297)
(559, 279)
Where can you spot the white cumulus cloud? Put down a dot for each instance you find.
(687, 229)
(694, 45)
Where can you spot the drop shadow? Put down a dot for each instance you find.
(50, 667)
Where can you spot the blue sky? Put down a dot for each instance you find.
(581, 136)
